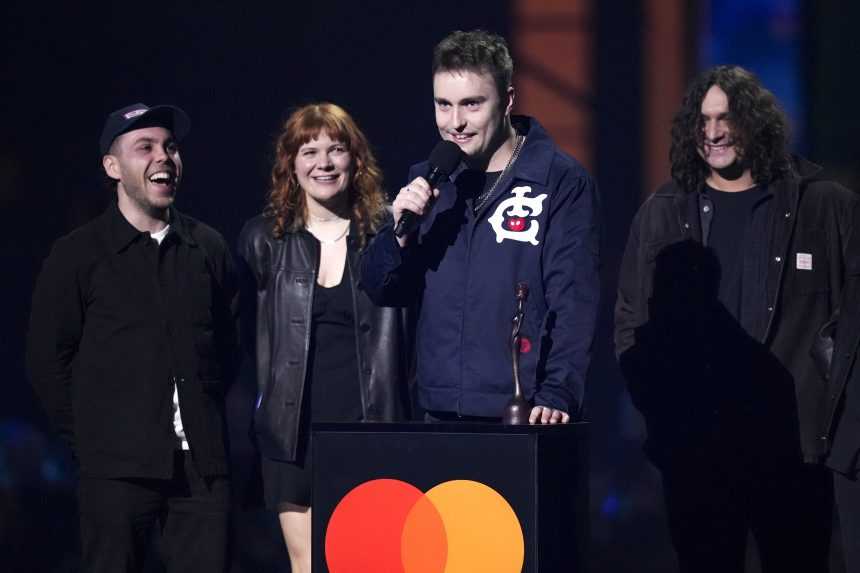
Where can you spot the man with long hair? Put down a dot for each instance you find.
(728, 271)
(518, 209)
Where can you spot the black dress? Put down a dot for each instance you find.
(332, 392)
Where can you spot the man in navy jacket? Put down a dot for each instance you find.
(516, 210)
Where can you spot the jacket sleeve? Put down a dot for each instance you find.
(53, 337)
(227, 313)
(571, 258)
(825, 346)
(627, 304)
(248, 279)
(391, 275)
(256, 252)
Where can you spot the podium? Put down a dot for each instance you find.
(449, 497)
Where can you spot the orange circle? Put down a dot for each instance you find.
(483, 532)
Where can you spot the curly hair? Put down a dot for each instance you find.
(476, 51)
(287, 204)
(759, 129)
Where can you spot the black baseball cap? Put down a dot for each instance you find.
(140, 115)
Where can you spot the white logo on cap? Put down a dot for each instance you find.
(134, 113)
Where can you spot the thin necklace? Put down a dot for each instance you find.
(485, 196)
(330, 241)
(319, 219)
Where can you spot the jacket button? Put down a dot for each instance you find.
(367, 371)
(706, 208)
(778, 259)
(364, 327)
(770, 309)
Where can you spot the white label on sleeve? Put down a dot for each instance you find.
(804, 261)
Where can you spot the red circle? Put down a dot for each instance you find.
(364, 532)
(516, 224)
(525, 345)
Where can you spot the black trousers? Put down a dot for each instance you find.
(118, 517)
(847, 490)
(712, 505)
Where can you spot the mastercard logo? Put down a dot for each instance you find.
(390, 526)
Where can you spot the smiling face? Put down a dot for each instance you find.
(148, 169)
(324, 169)
(470, 112)
(718, 146)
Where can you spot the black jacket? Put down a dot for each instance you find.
(698, 377)
(840, 430)
(116, 322)
(279, 277)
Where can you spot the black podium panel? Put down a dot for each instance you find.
(531, 479)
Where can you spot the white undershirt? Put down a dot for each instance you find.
(178, 428)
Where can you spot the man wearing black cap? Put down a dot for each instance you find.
(130, 349)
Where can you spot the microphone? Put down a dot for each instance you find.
(443, 160)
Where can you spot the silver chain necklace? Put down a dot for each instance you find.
(485, 195)
(329, 241)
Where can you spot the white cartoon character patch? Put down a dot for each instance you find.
(515, 217)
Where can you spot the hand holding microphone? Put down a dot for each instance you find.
(413, 201)
(410, 204)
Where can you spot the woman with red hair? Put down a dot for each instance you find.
(324, 351)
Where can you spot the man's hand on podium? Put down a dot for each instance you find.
(547, 415)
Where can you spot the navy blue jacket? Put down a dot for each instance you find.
(541, 227)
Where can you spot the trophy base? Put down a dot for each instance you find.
(516, 412)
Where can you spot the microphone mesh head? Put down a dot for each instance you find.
(446, 156)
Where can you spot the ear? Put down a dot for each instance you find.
(510, 104)
(111, 166)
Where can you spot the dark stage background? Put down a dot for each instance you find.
(238, 69)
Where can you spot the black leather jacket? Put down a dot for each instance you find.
(279, 277)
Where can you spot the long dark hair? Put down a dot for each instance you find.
(759, 129)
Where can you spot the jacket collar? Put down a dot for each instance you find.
(803, 172)
(122, 233)
(535, 157)
(804, 168)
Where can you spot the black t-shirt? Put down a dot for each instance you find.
(335, 390)
(728, 239)
(472, 184)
